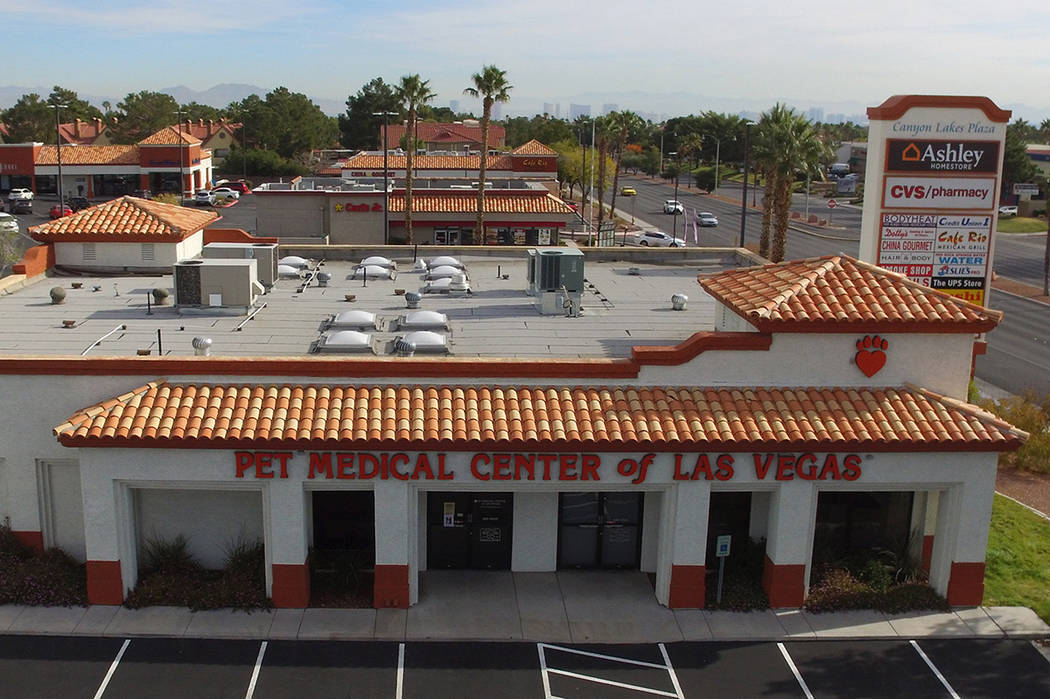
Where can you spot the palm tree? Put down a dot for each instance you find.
(787, 144)
(491, 86)
(623, 125)
(605, 134)
(413, 92)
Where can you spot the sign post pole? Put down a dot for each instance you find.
(722, 551)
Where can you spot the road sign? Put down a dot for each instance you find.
(832, 203)
(722, 545)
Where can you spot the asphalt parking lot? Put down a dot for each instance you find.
(57, 666)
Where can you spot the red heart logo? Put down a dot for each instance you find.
(870, 362)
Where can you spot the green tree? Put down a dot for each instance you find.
(75, 108)
(140, 114)
(623, 126)
(295, 125)
(412, 92)
(358, 126)
(543, 128)
(266, 163)
(492, 87)
(29, 119)
(195, 111)
(606, 131)
(1017, 166)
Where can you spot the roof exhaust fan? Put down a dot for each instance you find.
(202, 346)
(678, 302)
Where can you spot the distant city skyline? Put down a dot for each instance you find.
(840, 60)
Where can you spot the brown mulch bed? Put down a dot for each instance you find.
(1028, 291)
(1033, 489)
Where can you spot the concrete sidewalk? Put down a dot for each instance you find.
(563, 607)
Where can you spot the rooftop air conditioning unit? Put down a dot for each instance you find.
(264, 254)
(555, 276)
(216, 285)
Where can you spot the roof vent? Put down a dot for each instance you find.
(345, 341)
(420, 266)
(422, 341)
(678, 302)
(378, 261)
(446, 261)
(412, 299)
(202, 346)
(353, 320)
(294, 261)
(459, 283)
(404, 348)
(373, 272)
(323, 278)
(427, 320)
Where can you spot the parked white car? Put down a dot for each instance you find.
(1007, 211)
(16, 194)
(225, 192)
(8, 224)
(672, 206)
(655, 239)
(203, 197)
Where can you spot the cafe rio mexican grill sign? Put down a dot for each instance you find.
(503, 466)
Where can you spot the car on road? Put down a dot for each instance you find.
(656, 239)
(1007, 210)
(58, 211)
(204, 197)
(21, 193)
(22, 206)
(240, 187)
(672, 206)
(628, 191)
(706, 219)
(8, 223)
(221, 192)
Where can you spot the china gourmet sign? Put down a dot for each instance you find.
(489, 467)
(903, 155)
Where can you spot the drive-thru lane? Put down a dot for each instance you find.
(36, 666)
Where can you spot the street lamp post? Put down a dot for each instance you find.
(674, 212)
(718, 146)
(743, 199)
(182, 174)
(386, 175)
(58, 144)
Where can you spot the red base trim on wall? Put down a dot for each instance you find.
(687, 587)
(391, 586)
(784, 584)
(966, 584)
(927, 552)
(104, 584)
(291, 585)
(34, 540)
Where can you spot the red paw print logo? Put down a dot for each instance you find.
(871, 354)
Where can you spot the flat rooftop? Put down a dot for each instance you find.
(622, 308)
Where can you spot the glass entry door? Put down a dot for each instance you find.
(469, 530)
(599, 530)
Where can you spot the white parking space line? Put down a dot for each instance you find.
(255, 671)
(794, 671)
(670, 669)
(951, 692)
(546, 671)
(400, 688)
(112, 669)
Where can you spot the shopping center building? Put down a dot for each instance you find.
(613, 409)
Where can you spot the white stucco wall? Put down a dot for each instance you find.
(535, 531)
(130, 255)
(213, 521)
(63, 507)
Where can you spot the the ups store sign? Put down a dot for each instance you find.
(903, 155)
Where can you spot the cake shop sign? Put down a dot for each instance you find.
(506, 466)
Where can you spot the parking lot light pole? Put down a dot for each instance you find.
(674, 211)
(743, 199)
(182, 185)
(58, 145)
(386, 175)
(718, 146)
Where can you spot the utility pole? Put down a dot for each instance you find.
(58, 144)
(743, 199)
(386, 175)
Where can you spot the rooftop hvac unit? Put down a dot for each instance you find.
(216, 284)
(265, 255)
(551, 269)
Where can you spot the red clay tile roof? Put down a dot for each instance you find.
(218, 416)
(840, 293)
(81, 132)
(128, 219)
(434, 132)
(428, 162)
(534, 147)
(89, 155)
(203, 130)
(169, 136)
(496, 202)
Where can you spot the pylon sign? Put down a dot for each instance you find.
(934, 179)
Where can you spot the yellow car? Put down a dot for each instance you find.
(627, 191)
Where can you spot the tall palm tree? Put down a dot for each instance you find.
(491, 86)
(605, 134)
(412, 92)
(623, 124)
(788, 144)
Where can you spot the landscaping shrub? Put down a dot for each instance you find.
(742, 586)
(836, 590)
(170, 575)
(871, 580)
(1032, 415)
(36, 578)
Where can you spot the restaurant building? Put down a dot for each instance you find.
(805, 406)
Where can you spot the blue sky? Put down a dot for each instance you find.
(747, 53)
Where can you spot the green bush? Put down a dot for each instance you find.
(1028, 413)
